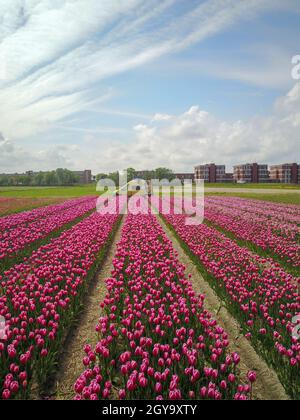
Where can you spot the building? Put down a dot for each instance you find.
(212, 173)
(84, 177)
(251, 173)
(227, 177)
(183, 177)
(287, 173)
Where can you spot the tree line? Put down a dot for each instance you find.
(59, 177)
(64, 177)
(159, 173)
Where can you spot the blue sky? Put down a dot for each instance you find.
(108, 84)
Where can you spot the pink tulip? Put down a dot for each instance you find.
(252, 377)
(122, 394)
(6, 394)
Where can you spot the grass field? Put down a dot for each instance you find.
(42, 192)
(83, 190)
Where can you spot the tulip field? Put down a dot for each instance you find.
(40, 296)
(258, 291)
(155, 338)
(273, 228)
(24, 229)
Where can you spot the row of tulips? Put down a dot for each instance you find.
(19, 237)
(26, 217)
(259, 293)
(156, 340)
(40, 298)
(278, 221)
(287, 213)
(260, 232)
(267, 233)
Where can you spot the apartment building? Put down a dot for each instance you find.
(84, 177)
(185, 176)
(212, 173)
(251, 172)
(287, 173)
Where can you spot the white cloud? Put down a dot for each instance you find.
(117, 113)
(196, 137)
(180, 142)
(15, 159)
(55, 51)
(265, 66)
(161, 117)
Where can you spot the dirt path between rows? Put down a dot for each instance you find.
(71, 366)
(268, 386)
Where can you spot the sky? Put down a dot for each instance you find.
(111, 84)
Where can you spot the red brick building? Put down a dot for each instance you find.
(287, 173)
(251, 173)
(212, 173)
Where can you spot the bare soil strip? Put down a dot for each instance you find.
(268, 386)
(71, 365)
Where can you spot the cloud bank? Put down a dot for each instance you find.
(180, 142)
(54, 52)
(196, 137)
(57, 58)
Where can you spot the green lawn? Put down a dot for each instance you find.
(39, 192)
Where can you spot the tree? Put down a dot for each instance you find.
(60, 176)
(4, 180)
(131, 174)
(51, 178)
(65, 177)
(101, 176)
(39, 179)
(114, 176)
(164, 173)
(24, 180)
